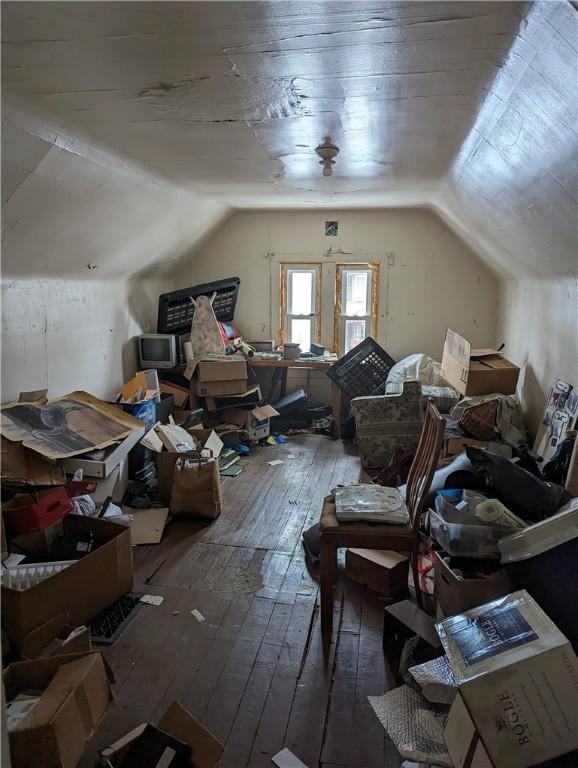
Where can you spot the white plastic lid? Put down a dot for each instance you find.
(541, 537)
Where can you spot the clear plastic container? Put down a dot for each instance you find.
(465, 540)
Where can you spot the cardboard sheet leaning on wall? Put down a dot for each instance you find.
(72, 424)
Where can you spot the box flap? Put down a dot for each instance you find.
(142, 387)
(264, 412)
(148, 524)
(39, 638)
(180, 394)
(178, 722)
(457, 347)
(175, 439)
(33, 396)
(151, 440)
(477, 353)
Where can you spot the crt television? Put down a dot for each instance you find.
(158, 350)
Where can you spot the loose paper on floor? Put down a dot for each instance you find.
(274, 462)
(286, 759)
(152, 599)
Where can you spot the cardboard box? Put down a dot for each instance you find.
(180, 394)
(221, 388)
(455, 445)
(456, 594)
(383, 571)
(227, 369)
(75, 695)
(54, 638)
(20, 466)
(249, 399)
(111, 459)
(255, 424)
(477, 371)
(81, 590)
(517, 678)
(176, 721)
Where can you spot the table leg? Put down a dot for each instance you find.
(336, 404)
(284, 372)
(328, 575)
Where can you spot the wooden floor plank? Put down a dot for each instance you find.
(254, 671)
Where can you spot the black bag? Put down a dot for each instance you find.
(523, 494)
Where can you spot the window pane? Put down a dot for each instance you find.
(300, 333)
(300, 293)
(354, 333)
(356, 293)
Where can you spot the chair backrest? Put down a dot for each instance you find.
(425, 463)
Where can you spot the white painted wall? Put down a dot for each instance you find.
(514, 191)
(435, 281)
(538, 318)
(72, 334)
(68, 202)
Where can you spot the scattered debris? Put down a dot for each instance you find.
(152, 599)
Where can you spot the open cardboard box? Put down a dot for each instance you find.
(176, 721)
(517, 679)
(75, 693)
(477, 371)
(81, 590)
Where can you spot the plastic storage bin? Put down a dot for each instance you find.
(465, 540)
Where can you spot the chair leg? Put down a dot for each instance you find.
(328, 573)
(414, 570)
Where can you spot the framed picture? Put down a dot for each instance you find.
(331, 228)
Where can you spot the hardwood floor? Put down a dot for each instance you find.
(254, 671)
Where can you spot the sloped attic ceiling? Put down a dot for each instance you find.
(210, 105)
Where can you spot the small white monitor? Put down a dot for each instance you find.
(158, 350)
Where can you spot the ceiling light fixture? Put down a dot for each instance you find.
(327, 152)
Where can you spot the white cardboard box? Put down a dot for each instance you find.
(112, 457)
(517, 678)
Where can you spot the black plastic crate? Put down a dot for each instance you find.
(176, 309)
(363, 370)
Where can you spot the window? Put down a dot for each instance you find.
(300, 304)
(356, 304)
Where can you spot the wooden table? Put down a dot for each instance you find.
(282, 366)
(336, 535)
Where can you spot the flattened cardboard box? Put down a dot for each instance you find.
(75, 695)
(517, 679)
(84, 423)
(81, 590)
(477, 371)
(176, 721)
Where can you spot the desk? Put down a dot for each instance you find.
(281, 366)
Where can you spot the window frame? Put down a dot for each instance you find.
(285, 317)
(373, 295)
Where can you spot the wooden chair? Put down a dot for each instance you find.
(400, 538)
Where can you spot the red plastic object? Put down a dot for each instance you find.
(27, 514)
